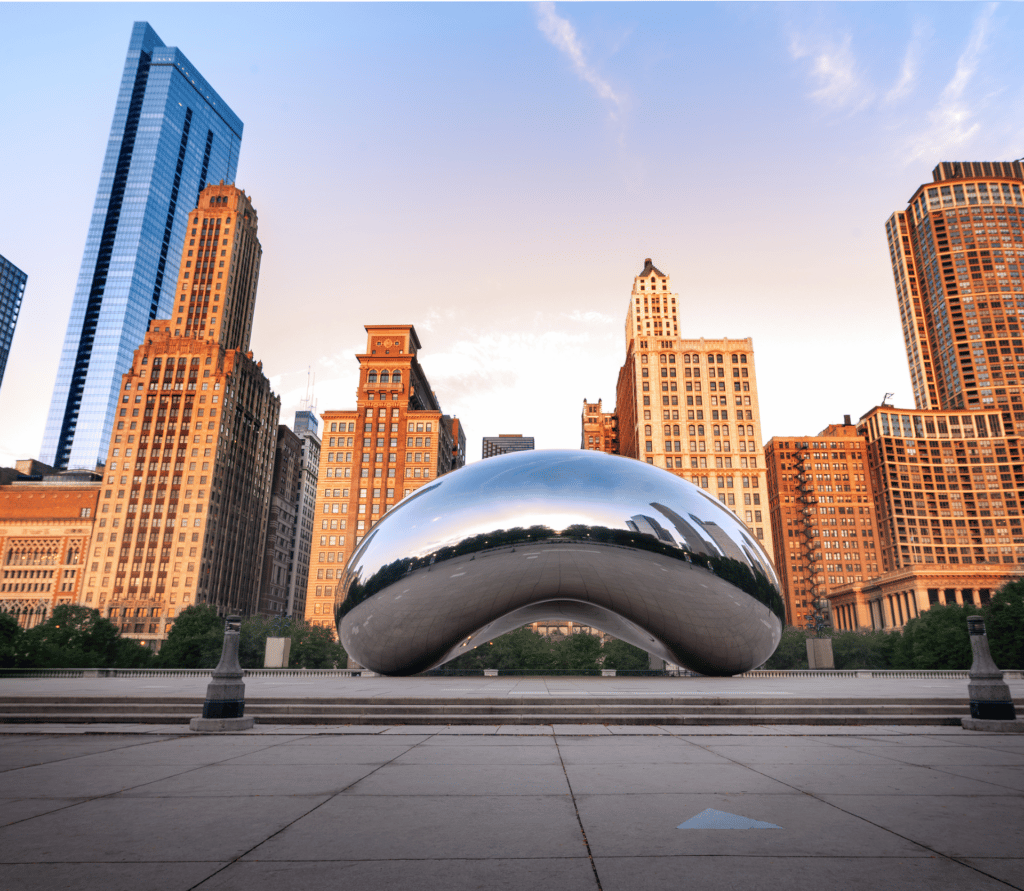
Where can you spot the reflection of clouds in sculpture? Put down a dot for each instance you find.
(573, 535)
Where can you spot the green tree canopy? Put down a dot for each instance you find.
(195, 640)
(78, 637)
(1004, 624)
(622, 656)
(10, 631)
(936, 640)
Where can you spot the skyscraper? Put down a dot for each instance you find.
(12, 288)
(186, 495)
(956, 256)
(690, 405)
(171, 135)
(600, 429)
(393, 442)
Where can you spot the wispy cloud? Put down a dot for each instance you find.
(561, 34)
(911, 65)
(952, 121)
(590, 316)
(839, 83)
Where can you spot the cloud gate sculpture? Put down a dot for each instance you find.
(605, 541)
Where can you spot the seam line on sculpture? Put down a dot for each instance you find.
(579, 819)
(290, 823)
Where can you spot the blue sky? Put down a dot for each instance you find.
(497, 173)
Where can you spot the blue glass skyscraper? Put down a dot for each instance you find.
(172, 134)
(12, 287)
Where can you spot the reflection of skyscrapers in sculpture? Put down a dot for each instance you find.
(395, 441)
(171, 135)
(12, 288)
(188, 478)
(504, 443)
(687, 405)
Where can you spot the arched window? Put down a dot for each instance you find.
(700, 429)
(384, 377)
(647, 429)
(675, 429)
(371, 377)
(668, 429)
(396, 377)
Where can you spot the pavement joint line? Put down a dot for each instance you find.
(579, 819)
(133, 744)
(906, 838)
(88, 799)
(315, 807)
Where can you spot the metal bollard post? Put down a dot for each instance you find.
(991, 704)
(224, 707)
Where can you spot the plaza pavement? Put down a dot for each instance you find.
(510, 807)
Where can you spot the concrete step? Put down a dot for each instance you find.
(722, 719)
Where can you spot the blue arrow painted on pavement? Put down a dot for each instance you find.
(712, 819)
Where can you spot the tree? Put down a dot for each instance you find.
(195, 640)
(577, 652)
(622, 656)
(315, 646)
(10, 631)
(1004, 623)
(523, 648)
(78, 637)
(791, 653)
(937, 639)
(871, 649)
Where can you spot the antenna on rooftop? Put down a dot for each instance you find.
(308, 402)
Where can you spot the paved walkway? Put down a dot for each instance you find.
(495, 808)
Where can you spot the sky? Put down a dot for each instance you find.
(496, 173)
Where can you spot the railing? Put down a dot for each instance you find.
(9, 673)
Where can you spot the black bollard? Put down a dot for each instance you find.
(224, 707)
(991, 704)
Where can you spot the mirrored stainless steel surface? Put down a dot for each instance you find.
(597, 539)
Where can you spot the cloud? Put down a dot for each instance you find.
(910, 67)
(591, 317)
(834, 70)
(951, 121)
(562, 35)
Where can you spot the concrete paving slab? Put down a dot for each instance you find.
(464, 779)
(14, 810)
(401, 875)
(324, 757)
(581, 730)
(937, 755)
(902, 779)
(56, 779)
(173, 876)
(1007, 777)
(124, 829)
(493, 755)
(525, 730)
(646, 778)
(498, 739)
(810, 827)
(978, 826)
(227, 780)
(1007, 869)
(792, 873)
(776, 751)
(575, 752)
(425, 827)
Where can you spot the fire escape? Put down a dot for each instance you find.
(818, 618)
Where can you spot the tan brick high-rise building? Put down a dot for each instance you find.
(824, 527)
(690, 405)
(600, 429)
(184, 503)
(947, 490)
(956, 255)
(395, 440)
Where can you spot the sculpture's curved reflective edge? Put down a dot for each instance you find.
(605, 541)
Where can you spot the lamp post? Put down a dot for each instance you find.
(991, 705)
(224, 707)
